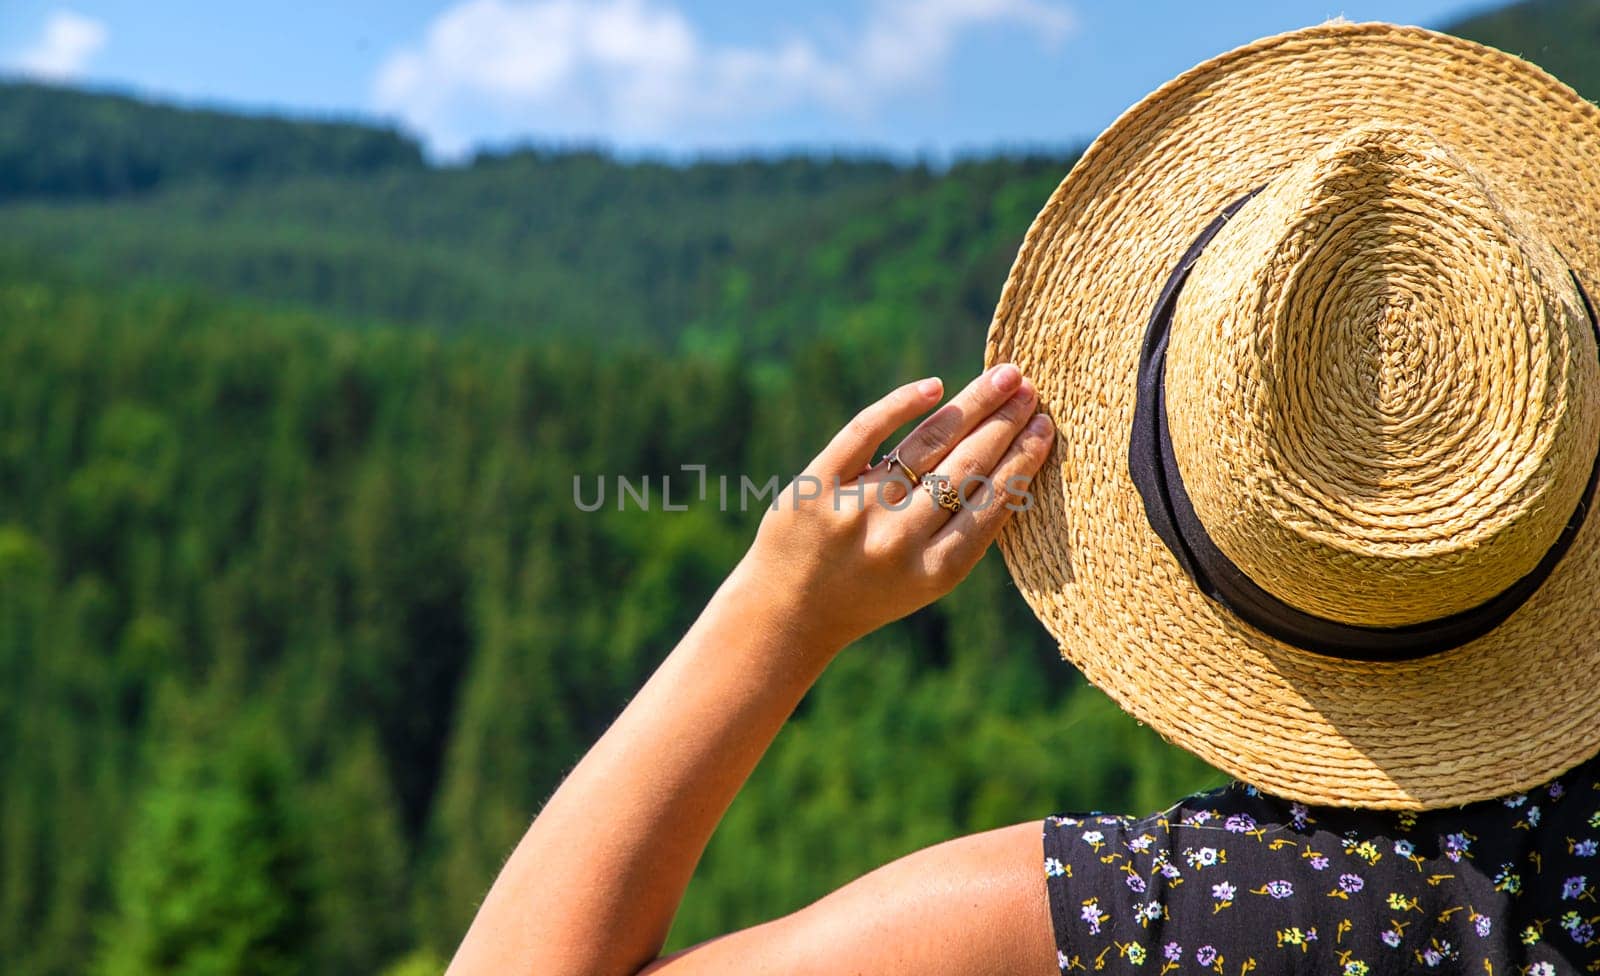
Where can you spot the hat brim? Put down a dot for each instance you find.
(1503, 713)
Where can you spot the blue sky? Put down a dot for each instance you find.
(926, 77)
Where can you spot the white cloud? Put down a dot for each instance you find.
(637, 69)
(64, 48)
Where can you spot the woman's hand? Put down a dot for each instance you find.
(847, 549)
(594, 884)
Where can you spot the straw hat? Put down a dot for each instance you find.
(1316, 510)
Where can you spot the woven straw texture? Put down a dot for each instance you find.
(1384, 402)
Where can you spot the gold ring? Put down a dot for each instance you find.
(943, 492)
(893, 458)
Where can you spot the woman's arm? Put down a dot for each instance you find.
(594, 884)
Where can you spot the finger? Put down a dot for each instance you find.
(928, 445)
(889, 487)
(963, 539)
(852, 448)
(968, 466)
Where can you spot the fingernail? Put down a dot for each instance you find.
(1024, 392)
(1039, 425)
(930, 387)
(1006, 378)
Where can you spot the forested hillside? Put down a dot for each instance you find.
(59, 143)
(298, 625)
(299, 621)
(753, 255)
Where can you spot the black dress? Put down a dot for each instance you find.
(1234, 881)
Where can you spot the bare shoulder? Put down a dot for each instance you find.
(976, 904)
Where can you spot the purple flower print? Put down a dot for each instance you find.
(1582, 933)
(1391, 938)
(1135, 883)
(1223, 891)
(1350, 883)
(1319, 863)
(1240, 823)
(1574, 887)
(1299, 815)
(1280, 889)
(1404, 848)
(1205, 955)
(1585, 848)
(1455, 845)
(1172, 952)
(1482, 925)
(1557, 791)
(1093, 915)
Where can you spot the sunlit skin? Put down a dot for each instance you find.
(593, 885)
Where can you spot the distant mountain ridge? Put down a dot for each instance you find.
(752, 255)
(63, 143)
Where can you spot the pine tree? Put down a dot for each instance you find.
(213, 880)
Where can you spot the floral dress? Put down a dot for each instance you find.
(1235, 881)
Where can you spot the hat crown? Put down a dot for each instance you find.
(1383, 389)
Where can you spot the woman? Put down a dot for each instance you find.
(1312, 322)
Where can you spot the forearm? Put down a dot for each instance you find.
(595, 882)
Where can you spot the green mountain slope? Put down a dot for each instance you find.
(62, 143)
(299, 623)
(755, 254)
(751, 255)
